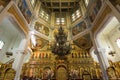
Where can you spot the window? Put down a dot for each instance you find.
(76, 15)
(118, 42)
(1, 44)
(58, 21)
(44, 15)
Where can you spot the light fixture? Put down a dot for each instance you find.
(112, 53)
(61, 46)
(8, 54)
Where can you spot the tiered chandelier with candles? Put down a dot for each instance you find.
(61, 47)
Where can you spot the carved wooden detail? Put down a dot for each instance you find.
(6, 72)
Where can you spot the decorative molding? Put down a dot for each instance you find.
(100, 18)
(13, 11)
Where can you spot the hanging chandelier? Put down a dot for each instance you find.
(61, 46)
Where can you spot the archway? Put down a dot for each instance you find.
(107, 40)
(86, 75)
(61, 73)
(9, 74)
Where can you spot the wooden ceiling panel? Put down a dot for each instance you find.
(61, 5)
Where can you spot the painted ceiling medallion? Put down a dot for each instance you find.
(83, 42)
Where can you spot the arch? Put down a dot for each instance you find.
(61, 66)
(100, 46)
(86, 75)
(9, 74)
(103, 24)
(61, 69)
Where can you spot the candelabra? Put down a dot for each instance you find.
(61, 46)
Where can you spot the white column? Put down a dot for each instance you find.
(104, 57)
(20, 55)
(100, 59)
(19, 65)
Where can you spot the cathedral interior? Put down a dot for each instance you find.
(59, 39)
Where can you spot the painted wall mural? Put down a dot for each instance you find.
(40, 42)
(48, 73)
(74, 74)
(41, 28)
(79, 28)
(96, 7)
(84, 42)
(25, 10)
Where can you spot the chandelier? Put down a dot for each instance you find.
(61, 46)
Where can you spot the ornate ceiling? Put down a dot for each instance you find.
(61, 5)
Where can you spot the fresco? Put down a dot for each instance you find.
(25, 10)
(96, 8)
(48, 73)
(79, 28)
(84, 42)
(74, 74)
(41, 28)
(40, 42)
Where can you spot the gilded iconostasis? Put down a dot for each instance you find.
(43, 23)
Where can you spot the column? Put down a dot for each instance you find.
(100, 59)
(20, 55)
(19, 66)
(52, 19)
(68, 20)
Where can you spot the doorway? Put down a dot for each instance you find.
(61, 74)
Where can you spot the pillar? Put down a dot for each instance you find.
(100, 59)
(20, 55)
